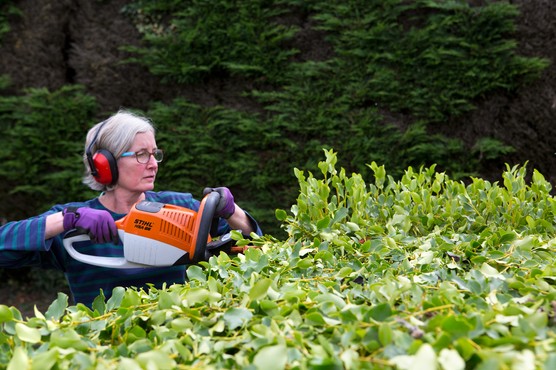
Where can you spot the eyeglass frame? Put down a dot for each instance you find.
(129, 154)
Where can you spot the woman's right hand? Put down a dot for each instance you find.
(99, 224)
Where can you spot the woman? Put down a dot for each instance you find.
(122, 159)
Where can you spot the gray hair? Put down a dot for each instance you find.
(116, 135)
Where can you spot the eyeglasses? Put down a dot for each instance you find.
(143, 157)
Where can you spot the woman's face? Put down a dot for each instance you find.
(135, 176)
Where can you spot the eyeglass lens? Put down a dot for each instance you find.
(143, 157)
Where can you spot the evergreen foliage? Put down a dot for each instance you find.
(430, 58)
(192, 40)
(7, 9)
(198, 138)
(41, 148)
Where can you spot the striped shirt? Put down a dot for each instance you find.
(22, 244)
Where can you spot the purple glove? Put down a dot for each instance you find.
(226, 206)
(99, 224)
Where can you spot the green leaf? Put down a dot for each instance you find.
(167, 299)
(196, 273)
(57, 308)
(323, 223)
(27, 334)
(315, 318)
(338, 302)
(237, 317)
(19, 360)
(5, 314)
(381, 312)
(450, 359)
(131, 298)
(67, 338)
(258, 291)
(550, 362)
(305, 263)
(45, 360)
(129, 364)
(99, 304)
(270, 307)
(181, 324)
(344, 272)
(196, 296)
(340, 215)
(490, 272)
(156, 359)
(116, 299)
(271, 357)
(425, 359)
(385, 334)
(135, 333)
(281, 215)
(457, 326)
(141, 345)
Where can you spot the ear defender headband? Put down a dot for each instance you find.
(102, 164)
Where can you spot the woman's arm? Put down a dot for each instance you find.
(240, 221)
(54, 225)
(22, 241)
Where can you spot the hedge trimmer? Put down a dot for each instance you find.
(156, 234)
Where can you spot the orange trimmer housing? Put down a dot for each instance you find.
(166, 223)
(170, 225)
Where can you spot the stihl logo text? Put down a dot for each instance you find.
(143, 225)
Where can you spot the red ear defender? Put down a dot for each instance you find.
(102, 165)
(105, 167)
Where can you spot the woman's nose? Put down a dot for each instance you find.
(152, 162)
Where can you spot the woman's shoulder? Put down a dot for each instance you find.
(93, 203)
(173, 197)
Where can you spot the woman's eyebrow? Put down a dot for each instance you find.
(143, 149)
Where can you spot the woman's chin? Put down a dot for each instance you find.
(148, 185)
